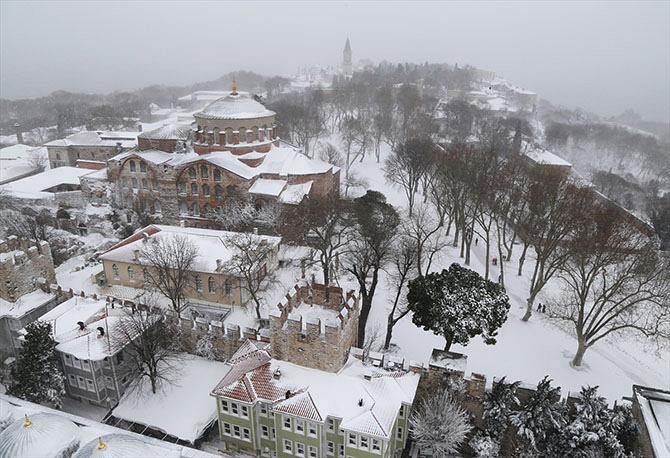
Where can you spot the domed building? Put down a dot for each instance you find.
(232, 151)
(40, 435)
(121, 446)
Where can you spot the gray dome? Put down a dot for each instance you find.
(238, 105)
(41, 435)
(119, 446)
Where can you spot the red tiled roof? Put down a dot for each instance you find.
(301, 405)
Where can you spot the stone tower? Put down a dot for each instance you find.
(347, 67)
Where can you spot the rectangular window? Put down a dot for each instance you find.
(246, 434)
(376, 446)
(331, 425)
(233, 408)
(311, 429)
(224, 406)
(68, 360)
(81, 382)
(287, 423)
(352, 440)
(288, 446)
(330, 448)
(245, 411)
(401, 414)
(236, 431)
(226, 429)
(73, 380)
(299, 426)
(145, 184)
(263, 409)
(109, 382)
(363, 442)
(312, 451)
(134, 182)
(89, 385)
(76, 362)
(399, 433)
(265, 432)
(341, 452)
(299, 449)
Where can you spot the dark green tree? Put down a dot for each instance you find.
(458, 304)
(37, 375)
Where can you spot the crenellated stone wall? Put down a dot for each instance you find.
(21, 264)
(313, 342)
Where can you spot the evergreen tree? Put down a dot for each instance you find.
(458, 304)
(37, 376)
(541, 419)
(499, 405)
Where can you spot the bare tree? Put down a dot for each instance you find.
(402, 265)
(37, 161)
(28, 224)
(327, 230)
(407, 165)
(151, 344)
(330, 154)
(615, 281)
(251, 254)
(370, 247)
(356, 139)
(556, 207)
(169, 261)
(426, 237)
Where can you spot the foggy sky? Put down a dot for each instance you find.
(604, 57)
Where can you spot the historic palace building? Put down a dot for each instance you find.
(233, 150)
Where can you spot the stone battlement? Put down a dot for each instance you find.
(21, 265)
(315, 326)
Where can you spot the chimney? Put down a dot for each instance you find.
(19, 134)
(119, 148)
(288, 394)
(277, 374)
(145, 237)
(81, 324)
(136, 253)
(139, 127)
(219, 264)
(101, 331)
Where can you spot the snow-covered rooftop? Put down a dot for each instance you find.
(212, 245)
(368, 405)
(170, 131)
(182, 407)
(294, 193)
(25, 304)
(239, 105)
(34, 186)
(544, 157)
(16, 161)
(85, 343)
(92, 138)
(268, 187)
(56, 428)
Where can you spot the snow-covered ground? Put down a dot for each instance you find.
(525, 351)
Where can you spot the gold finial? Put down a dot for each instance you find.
(234, 87)
(101, 444)
(26, 421)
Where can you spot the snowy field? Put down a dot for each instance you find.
(525, 351)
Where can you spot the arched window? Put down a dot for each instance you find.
(194, 188)
(143, 166)
(145, 183)
(134, 182)
(218, 191)
(211, 286)
(183, 209)
(229, 136)
(217, 137)
(205, 189)
(195, 210)
(115, 271)
(145, 276)
(204, 171)
(243, 134)
(217, 175)
(132, 166)
(198, 283)
(227, 287)
(191, 173)
(131, 273)
(157, 206)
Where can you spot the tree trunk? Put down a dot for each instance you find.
(488, 253)
(449, 339)
(366, 305)
(389, 331)
(522, 259)
(581, 349)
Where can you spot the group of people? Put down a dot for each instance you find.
(542, 307)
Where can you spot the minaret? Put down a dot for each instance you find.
(347, 68)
